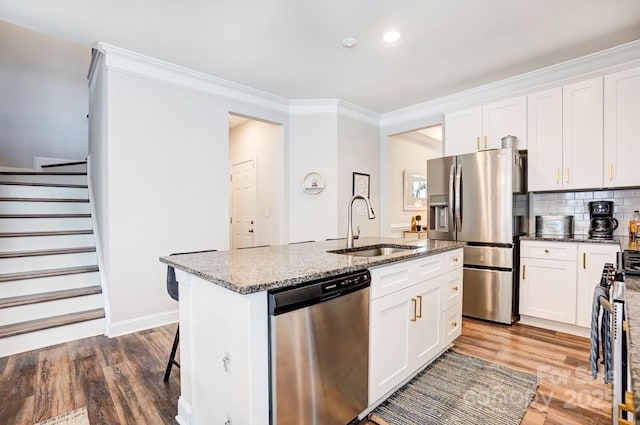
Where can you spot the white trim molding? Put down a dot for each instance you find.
(606, 61)
(128, 62)
(333, 107)
(141, 323)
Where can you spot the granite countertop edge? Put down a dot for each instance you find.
(343, 264)
(622, 240)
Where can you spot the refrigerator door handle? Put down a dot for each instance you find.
(451, 194)
(458, 203)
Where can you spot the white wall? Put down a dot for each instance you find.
(358, 151)
(407, 151)
(44, 97)
(313, 147)
(263, 142)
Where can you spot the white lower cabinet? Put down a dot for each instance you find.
(410, 327)
(557, 279)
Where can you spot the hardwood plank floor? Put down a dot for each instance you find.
(120, 379)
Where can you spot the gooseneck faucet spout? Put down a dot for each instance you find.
(372, 215)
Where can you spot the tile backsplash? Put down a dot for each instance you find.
(625, 201)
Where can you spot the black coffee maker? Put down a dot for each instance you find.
(602, 223)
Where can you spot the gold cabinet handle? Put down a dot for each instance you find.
(454, 324)
(455, 288)
(567, 175)
(415, 309)
(611, 171)
(485, 142)
(419, 297)
(478, 142)
(524, 271)
(546, 251)
(455, 259)
(557, 175)
(584, 260)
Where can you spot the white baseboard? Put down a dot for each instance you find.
(141, 323)
(185, 412)
(555, 326)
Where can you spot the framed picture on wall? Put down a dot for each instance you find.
(361, 184)
(415, 191)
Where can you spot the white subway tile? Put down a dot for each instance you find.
(584, 195)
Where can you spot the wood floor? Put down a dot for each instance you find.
(120, 379)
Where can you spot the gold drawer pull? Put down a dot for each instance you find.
(611, 171)
(456, 259)
(419, 297)
(454, 324)
(524, 269)
(455, 288)
(546, 251)
(584, 260)
(567, 173)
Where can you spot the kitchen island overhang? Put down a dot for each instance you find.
(224, 335)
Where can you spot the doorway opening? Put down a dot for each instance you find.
(256, 182)
(408, 153)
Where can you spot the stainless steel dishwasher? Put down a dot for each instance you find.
(319, 351)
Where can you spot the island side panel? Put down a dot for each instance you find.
(228, 354)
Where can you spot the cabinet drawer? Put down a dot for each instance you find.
(391, 278)
(454, 259)
(453, 288)
(429, 267)
(452, 323)
(567, 251)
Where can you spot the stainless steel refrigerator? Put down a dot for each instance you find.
(474, 198)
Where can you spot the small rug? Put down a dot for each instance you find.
(459, 389)
(75, 417)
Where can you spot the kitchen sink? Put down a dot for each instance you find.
(374, 250)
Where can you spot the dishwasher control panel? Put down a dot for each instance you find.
(321, 290)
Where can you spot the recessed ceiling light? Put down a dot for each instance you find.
(391, 36)
(349, 42)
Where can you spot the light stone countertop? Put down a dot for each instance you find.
(622, 240)
(259, 269)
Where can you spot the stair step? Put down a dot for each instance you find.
(53, 233)
(44, 206)
(42, 224)
(43, 200)
(62, 164)
(42, 241)
(45, 216)
(16, 254)
(45, 177)
(49, 296)
(17, 288)
(43, 173)
(11, 190)
(6, 277)
(47, 184)
(50, 322)
(48, 261)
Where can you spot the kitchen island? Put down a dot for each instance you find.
(223, 305)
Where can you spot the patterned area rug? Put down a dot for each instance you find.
(460, 390)
(75, 417)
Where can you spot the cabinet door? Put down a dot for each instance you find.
(462, 131)
(426, 337)
(390, 326)
(591, 259)
(507, 117)
(621, 128)
(544, 112)
(582, 140)
(548, 289)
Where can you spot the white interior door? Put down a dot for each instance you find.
(243, 204)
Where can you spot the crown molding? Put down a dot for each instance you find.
(599, 63)
(333, 107)
(126, 61)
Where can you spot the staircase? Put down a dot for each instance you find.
(50, 288)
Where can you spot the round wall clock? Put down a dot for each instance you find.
(313, 183)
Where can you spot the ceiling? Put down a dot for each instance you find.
(292, 48)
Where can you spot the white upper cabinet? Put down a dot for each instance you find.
(582, 134)
(483, 127)
(622, 128)
(462, 130)
(544, 116)
(508, 117)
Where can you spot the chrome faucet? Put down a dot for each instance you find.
(350, 218)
